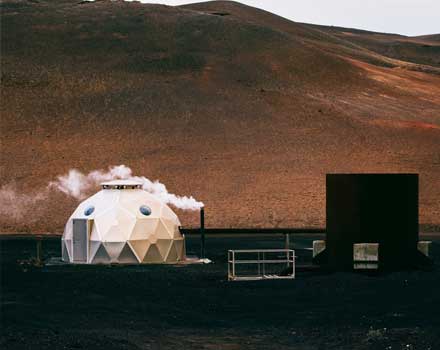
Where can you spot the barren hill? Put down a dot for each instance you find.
(238, 107)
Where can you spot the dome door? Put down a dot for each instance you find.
(80, 239)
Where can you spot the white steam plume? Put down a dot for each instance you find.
(15, 205)
(76, 184)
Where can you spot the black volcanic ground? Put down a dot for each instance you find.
(244, 110)
(195, 307)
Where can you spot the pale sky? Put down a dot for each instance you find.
(407, 17)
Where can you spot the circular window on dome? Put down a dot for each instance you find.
(89, 210)
(145, 210)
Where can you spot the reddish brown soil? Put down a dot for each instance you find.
(245, 111)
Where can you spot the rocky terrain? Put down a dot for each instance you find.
(195, 307)
(242, 109)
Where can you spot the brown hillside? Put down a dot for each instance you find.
(424, 50)
(240, 108)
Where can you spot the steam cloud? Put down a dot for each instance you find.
(77, 184)
(18, 207)
(14, 204)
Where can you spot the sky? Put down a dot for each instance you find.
(407, 17)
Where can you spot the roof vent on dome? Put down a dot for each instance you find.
(121, 185)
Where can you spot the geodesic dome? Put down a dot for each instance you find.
(122, 223)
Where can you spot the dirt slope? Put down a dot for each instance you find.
(240, 108)
(424, 50)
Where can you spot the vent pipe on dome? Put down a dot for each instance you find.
(121, 185)
(202, 232)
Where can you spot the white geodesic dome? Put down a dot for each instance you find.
(122, 223)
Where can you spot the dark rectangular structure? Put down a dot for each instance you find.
(372, 208)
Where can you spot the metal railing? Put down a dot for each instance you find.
(285, 258)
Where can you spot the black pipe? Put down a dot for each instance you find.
(39, 255)
(202, 232)
(262, 231)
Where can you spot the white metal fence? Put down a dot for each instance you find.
(261, 264)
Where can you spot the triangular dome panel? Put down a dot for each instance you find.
(101, 256)
(104, 221)
(95, 236)
(179, 246)
(115, 234)
(144, 228)
(64, 253)
(127, 256)
(164, 247)
(168, 214)
(106, 199)
(162, 231)
(114, 249)
(172, 255)
(153, 255)
(177, 234)
(68, 230)
(140, 248)
(171, 225)
(68, 243)
(93, 248)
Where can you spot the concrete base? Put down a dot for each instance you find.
(423, 247)
(366, 256)
(318, 247)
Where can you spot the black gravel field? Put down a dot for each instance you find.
(195, 307)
